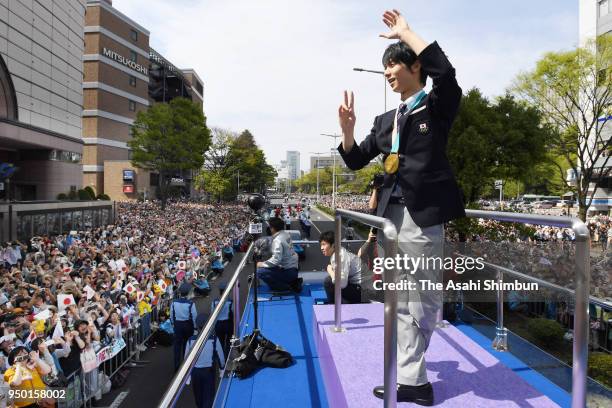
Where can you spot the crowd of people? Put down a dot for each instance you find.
(545, 252)
(352, 202)
(64, 298)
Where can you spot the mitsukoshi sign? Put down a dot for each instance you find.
(123, 60)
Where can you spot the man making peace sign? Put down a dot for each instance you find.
(419, 193)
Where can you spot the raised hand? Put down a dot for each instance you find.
(396, 23)
(346, 114)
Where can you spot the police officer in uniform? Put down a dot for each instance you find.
(183, 314)
(419, 192)
(224, 327)
(203, 374)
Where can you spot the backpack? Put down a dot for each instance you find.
(256, 351)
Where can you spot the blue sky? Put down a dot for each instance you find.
(278, 68)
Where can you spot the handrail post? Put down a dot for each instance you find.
(440, 323)
(500, 343)
(390, 329)
(581, 316)
(337, 277)
(236, 304)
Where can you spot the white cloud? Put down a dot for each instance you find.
(278, 68)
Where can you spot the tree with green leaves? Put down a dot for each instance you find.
(230, 156)
(573, 89)
(364, 177)
(248, 159)
(489, 141)
(215, 176)
(169, 137)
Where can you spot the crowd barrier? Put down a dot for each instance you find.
(83, 387)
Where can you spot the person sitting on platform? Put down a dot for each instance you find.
(350, 273)
(279, 272)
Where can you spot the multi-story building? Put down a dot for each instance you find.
(596, 20)
(293, 164)
(326, 162)
(115, 88)
(122, 76)
(41, 74)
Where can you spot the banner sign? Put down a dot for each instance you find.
(110, 351)
(123, 60)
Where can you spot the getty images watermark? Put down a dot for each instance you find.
(430, 265)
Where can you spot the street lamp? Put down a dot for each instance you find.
(373, 71)
(317, 153)
(334, 169)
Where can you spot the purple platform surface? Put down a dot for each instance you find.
(462, 373)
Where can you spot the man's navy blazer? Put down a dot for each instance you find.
(430, 191)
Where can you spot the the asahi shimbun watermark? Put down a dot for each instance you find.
(422, 266)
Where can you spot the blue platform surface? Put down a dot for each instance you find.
(286, 321)
(534, 378)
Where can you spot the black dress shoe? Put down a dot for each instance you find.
(419, 394)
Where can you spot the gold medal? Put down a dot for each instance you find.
(392, 163)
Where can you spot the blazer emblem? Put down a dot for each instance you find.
(423, 128)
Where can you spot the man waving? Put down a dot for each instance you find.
(419, 192)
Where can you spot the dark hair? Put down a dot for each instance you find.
(327, 236)
(35, 343)
(13, 354)
(276, 223)
(399, 52)
(80, 323)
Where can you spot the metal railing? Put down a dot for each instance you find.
(581, 291)
(390, 331)
(81, 388)
(177, 384)
(581, 320)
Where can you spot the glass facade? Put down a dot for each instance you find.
(61, 222)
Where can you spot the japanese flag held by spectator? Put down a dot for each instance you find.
(89, 291)
(31, 337)
(121, 265)
(182, 265)
(63, 301)
(44, 315)
(58, 332)
(140, 296)
(129, 288)
(162, 284)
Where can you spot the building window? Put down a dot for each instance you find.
(199, 88)
(132, 80)
(134, 35)
(133, 55)
(153, 179)
(64, 156)
(603, 8)
(132, 106)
